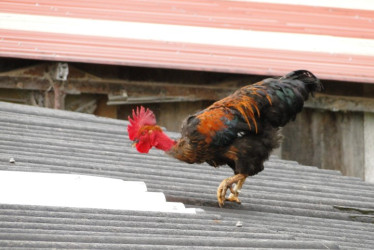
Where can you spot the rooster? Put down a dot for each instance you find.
(240, 130)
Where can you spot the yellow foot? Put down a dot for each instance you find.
(233, 198)
(226, 184)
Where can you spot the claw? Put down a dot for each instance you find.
(221, 193)
(227, 184)
(234, 198)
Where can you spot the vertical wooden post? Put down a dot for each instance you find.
(59, 96)
(57, 76)
(48, 99)
(369, 146)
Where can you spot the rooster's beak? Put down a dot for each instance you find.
(134, 144)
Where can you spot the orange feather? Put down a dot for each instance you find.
(244, 103)
(211, 122)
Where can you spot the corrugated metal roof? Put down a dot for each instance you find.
(286, 206)
(225, 36)
(72, 190)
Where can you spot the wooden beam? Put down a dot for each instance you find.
(124, 91)
(134, 92)
(341, 103)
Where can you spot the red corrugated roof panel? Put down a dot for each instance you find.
(224, 36)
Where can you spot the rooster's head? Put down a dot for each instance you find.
(145, 133)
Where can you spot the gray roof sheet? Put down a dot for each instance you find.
(286, 206)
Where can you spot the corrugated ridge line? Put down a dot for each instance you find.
(292, 221)
(120, 144)
(54, 113)
(291, 204)
(61, 123)
(69, 128)
(259, 206)
(121, 223)
(176, 244)
(137, 229)
(160, 226)
(208, 226)
(123, 167)
(73, 152)
(17, 122)
(142, 228)
(122, 220)
(120, 164)
(74, 135)
(145, 232)
(14, 245)
(100, 213)
(263, 197)
(223, 14)
(177, 187)
(130, 52)
(130, 48)
(345, 234)
(207, 231)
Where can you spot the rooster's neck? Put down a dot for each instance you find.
(183, 151)
(164, 142)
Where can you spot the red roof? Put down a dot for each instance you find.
(224, 36)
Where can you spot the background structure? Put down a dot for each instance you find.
(105, 57)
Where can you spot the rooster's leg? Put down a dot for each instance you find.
(226, 184)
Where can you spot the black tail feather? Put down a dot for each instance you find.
(288, 95)
(311, 81)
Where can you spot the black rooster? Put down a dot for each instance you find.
(240, 130)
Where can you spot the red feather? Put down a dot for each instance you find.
(139, 119)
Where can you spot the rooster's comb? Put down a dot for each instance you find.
(140, 118)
